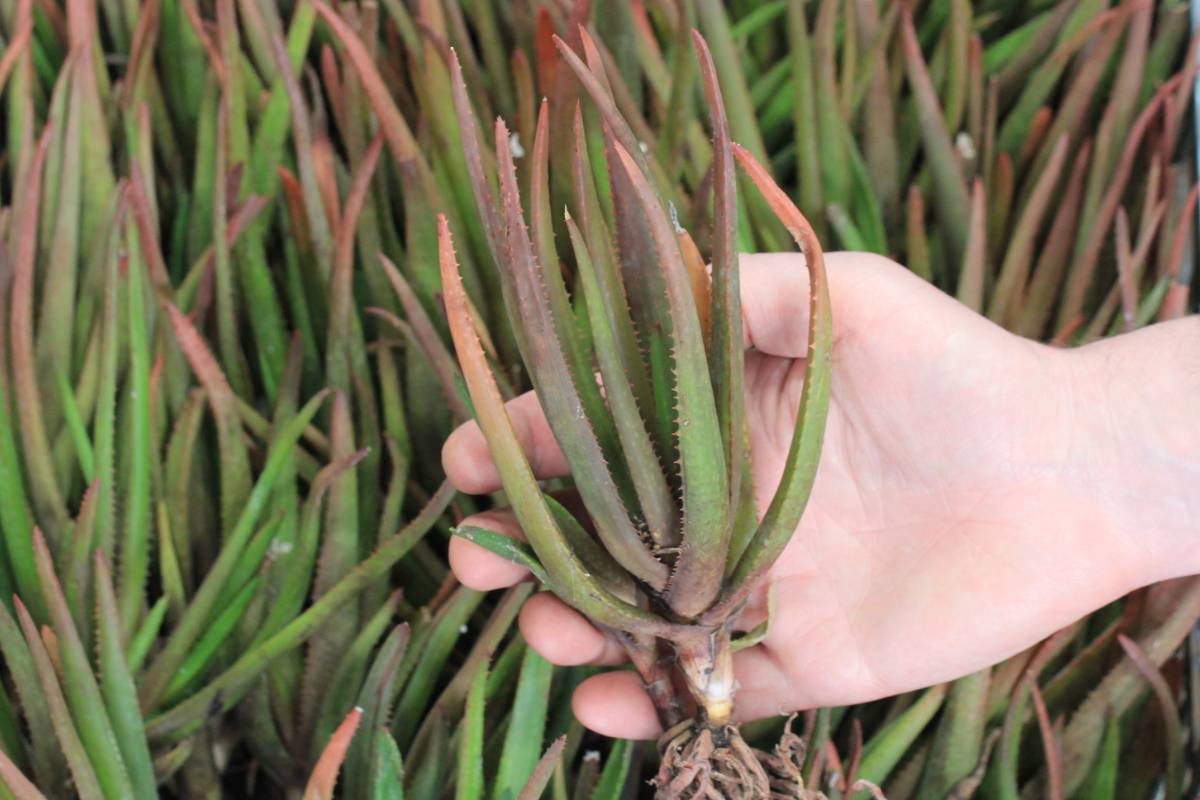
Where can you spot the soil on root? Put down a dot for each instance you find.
(703, 761)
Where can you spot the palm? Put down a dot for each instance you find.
(926, 449)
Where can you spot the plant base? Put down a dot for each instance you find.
(706, 761)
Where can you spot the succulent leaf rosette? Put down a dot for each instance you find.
(639, 368)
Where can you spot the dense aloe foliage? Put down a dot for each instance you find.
(227, 368)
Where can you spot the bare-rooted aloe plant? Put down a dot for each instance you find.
(640, 373)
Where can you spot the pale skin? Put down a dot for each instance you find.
(977, 491)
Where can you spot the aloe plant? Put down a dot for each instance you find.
(659, 456)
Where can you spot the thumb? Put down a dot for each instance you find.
(775, 301)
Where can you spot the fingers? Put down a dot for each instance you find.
(775, 302)
(560, 633)
(478, 568)
(615, 704)
(468, 462)
(563, 636)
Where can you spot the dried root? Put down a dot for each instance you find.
(702, 761)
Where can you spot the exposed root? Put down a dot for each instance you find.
(703, 761)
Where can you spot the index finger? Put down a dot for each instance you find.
(468, 461)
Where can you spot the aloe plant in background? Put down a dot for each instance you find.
(195, 199)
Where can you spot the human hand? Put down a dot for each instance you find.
(954, 520)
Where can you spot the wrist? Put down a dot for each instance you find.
(1134, 443)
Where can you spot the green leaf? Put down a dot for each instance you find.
(958, 742)
(194, 619)
(891, 742)
(566, 573)
(469, 784)
(225, 690)
(79, 684)
(444, 633)
(388, 773)
(700, 565)
(86, 781)
(526, 727)
(117, 687)
(1101, 783)
(799, 472)
(611, 785)
(560, 389)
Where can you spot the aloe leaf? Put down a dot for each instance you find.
(506, 547)
(1092, 235)
(1122, 685)
(427, 336)
(117, 686)
(338, 554)
(523, 744)
(574, 345)
(225, 689)
(46, 755)
(400, 139)
(974, 271)
(470, 780)
(79, 683)
(314, 209)
(958, 741)
(835, 171)
(208, 645)
(192, 622)
(544, 771)
(1053, 260)
(562, 390)
(369, 758)
(325, 773)
(228, 337)
(1050, 745)
(16, 521)
(783, 514)
(343, 685)
(889, 745)
(568, 577)
(432, 771)
(485, 643)
(1173, 775)
(812, 199)
(387, 776)
(135, 544)
(950, 197)
(617, 309)
(714, 24)
(49, 507)
(654, 494)
(63, 202)
(83, 774)
(1015, 268)
(728, 351)
(235, 466)
(1101, 783)
(145, 636)
(698, 569)
(445, 630)
(20, 786)
(298, 569)
(611, 785)
(596, 85)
